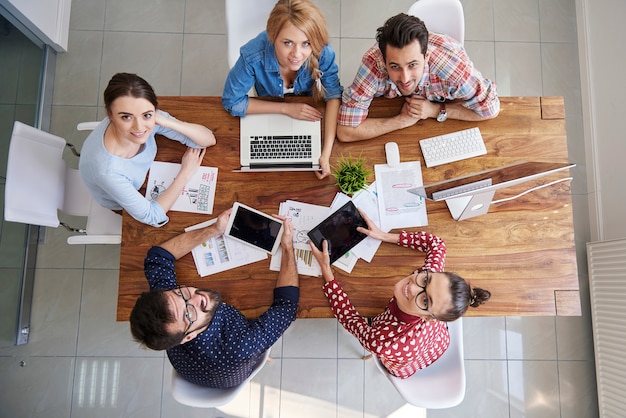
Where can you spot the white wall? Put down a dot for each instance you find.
(603, 69)
(48, 19)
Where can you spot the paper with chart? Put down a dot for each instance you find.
(397, 207)
(198, 194)
(221, 253)
(304, 216)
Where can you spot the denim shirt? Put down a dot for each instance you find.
(257, 66)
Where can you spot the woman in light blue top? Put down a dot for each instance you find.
(291, 57)
(117, 155)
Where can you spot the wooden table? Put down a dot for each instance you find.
(522, 250)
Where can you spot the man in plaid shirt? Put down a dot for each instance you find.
(439, 83)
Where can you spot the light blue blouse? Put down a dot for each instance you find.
(114, 181)
(257, 66)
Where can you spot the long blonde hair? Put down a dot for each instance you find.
(305, 16)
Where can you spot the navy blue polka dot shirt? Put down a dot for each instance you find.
(223, 355)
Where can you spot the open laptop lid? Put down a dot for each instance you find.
(489, 180)
(258, 127)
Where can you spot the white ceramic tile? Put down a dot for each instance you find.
(41, 387)
(101, 256)
(331, 9)
(478, 20)
(311, 338)
(361, 18)
(561, 76)
(483, 57)
(558, 20)
(484, 338)
(100, 334)
(381, 398)
(531, 338)
(54, 315)
(348, 346)
(534, 389)
(352, 51)
(87, 15)
(516, 20)
(577, 388)
(205, 67)
(55, 252)
(117, 387)
(145, 16)
(308, 388)
(350, 396)
(154, 56)
(574, 337)
(486, 393)
(518, 69)
(77, 76)
(205, 16)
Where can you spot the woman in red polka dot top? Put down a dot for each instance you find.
(411, 333)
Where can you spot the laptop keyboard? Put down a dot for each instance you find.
(277, 147)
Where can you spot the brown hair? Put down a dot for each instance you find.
(401, 30)
(305, 16)
(149, 319)
(463, 296)
(126, 84)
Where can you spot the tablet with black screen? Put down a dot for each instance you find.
(254, 228)
(339, 229)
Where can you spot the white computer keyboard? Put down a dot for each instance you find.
(451, 147)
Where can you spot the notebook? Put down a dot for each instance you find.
(274, 142)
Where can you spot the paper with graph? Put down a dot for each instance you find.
(304, 216)
(198, 194)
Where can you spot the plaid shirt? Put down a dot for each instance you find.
(404, 343)
(448, 75)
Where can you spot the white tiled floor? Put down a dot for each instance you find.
(80, 362)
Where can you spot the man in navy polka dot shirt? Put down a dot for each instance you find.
(209, 342)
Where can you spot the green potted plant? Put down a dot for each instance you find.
(351, 174)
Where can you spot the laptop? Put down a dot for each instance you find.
(275, 142)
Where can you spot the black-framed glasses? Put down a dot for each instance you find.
(421, 300)
(190, 310)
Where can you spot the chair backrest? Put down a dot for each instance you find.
(245, 19)
(39, 184)
(198, 396)
(441, 16)
(440, 385)
(35, 183)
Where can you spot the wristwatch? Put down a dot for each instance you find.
(443, 115)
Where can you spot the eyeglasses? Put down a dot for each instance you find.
(190, 310)
(421, 300)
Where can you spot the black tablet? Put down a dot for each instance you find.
(339, 229)
(254, 228)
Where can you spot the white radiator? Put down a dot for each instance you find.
(607, 286)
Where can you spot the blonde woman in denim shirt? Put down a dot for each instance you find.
(291, 57)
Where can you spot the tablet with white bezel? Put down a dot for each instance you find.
(254, 228)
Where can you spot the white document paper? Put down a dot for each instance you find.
(221, 253)
(197, 196)
(304, 216)
(397, 207)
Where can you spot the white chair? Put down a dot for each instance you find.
(198, 396)
(245, 19)
(441, 16)
(39, 184)
(440, 385)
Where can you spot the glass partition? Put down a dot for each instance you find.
(22, 71)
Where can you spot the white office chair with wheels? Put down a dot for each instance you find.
(245, 19)
(441, 16)
(440, 385)
(198, 396)
(39, 184)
